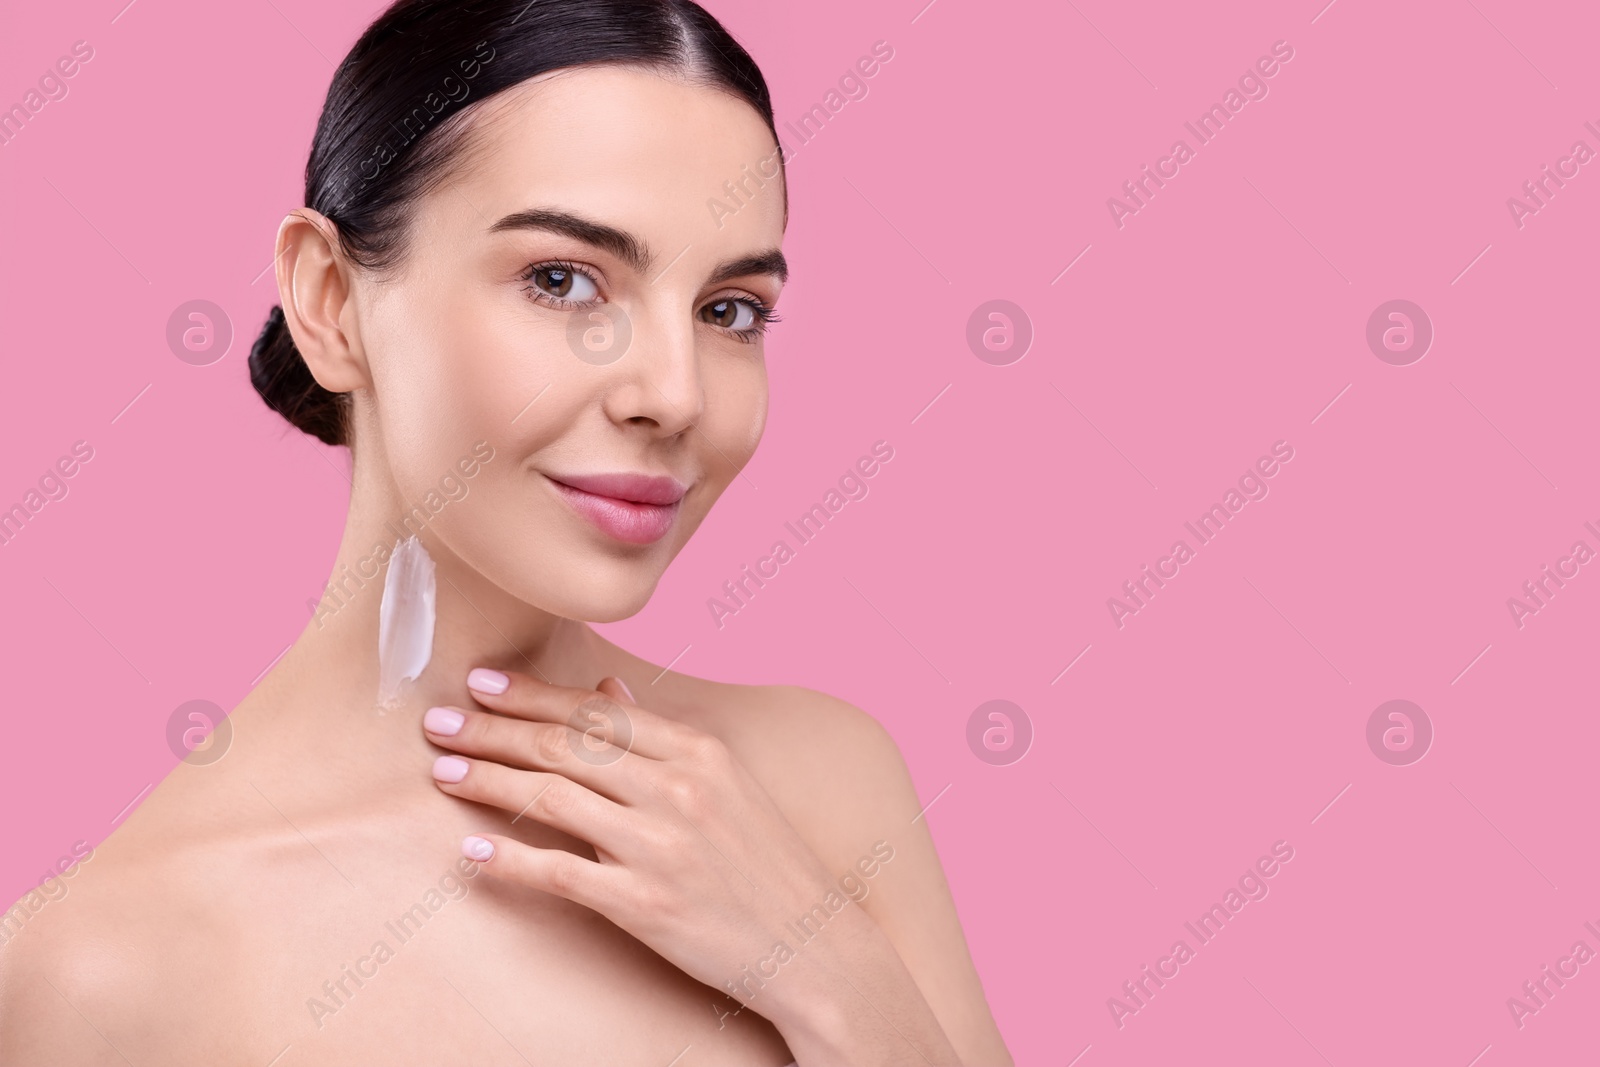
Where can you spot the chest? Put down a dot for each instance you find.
(474, 972)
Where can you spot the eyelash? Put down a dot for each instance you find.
(765, 313)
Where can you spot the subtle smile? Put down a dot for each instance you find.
(638, 509)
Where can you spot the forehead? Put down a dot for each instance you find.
(642, 151)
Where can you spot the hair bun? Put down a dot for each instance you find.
(284, 381)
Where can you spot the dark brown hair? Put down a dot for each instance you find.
(383, 138)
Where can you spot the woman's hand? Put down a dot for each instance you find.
(693, 857)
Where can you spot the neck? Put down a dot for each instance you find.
(321, 698)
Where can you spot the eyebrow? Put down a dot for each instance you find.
(628, 248)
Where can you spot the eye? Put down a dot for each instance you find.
(745, 317)
(560, 284)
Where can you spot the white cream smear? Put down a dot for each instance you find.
(405, 620)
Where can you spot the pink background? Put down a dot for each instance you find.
(1223, 317)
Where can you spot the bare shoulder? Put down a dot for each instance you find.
(74, 963)
(832, 767)
(149, 926)
(838, 776)
(38, 958)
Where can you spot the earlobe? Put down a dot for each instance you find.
(315, 291)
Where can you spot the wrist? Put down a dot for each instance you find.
(845, 996)
(813, 1001)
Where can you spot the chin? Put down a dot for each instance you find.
(586, 587)
(623, 601)
(611, 612)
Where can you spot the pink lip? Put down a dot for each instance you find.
(636, 508)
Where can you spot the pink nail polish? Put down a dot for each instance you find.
(446, 722)
(449, 769)
(486, 681)
(476, 848)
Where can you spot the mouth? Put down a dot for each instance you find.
(637, 509)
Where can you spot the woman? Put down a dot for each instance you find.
(454, 824)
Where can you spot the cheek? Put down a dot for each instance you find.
(485, 362)
(735, 413)
(460, 366)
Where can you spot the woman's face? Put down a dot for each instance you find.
(574, 296)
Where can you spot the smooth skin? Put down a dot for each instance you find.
(237, 915)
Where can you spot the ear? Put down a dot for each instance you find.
(314, 287)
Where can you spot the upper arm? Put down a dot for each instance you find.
(847, 791)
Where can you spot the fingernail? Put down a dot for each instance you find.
(476, 848)
(486, 681)
(446, 722)
(625, 690)
(449, 769)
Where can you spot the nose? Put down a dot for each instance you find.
(657, 378)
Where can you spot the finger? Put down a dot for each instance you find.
(551, 870)
(524, 697)
(538, 746)
(551, 799)
(616, 689)
(603, 718)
